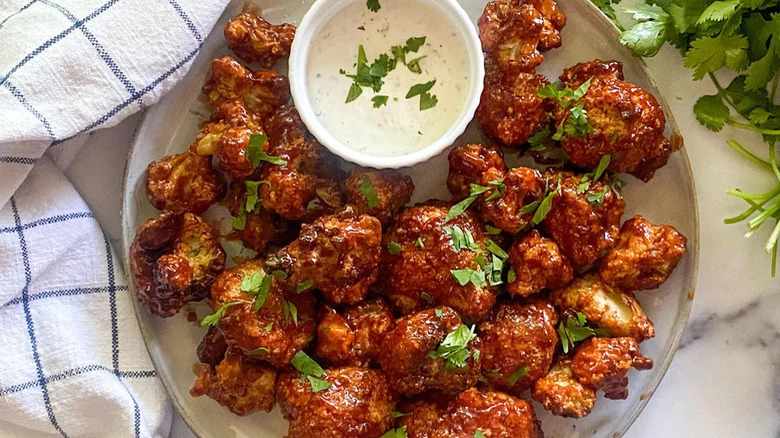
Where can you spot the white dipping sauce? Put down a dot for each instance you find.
(400, 127)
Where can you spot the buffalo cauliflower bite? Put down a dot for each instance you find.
(253, 39)
(605, 307)
(510, 34)
(467, 165)
(585, 223)
(554, 21)
(628, 123)
(354, 336)
(226, 115)
(418, 272)
(392, 189)
(516, 188)
(308, 166)
(518, 344)
(602, 363)
(262, 227)
(357, 404)
(212, 347)
(263, 91)
(273, 332)
(495, 414)
(538, 264)
(644, 257)
(238, 384)
(183, 183)
(173, 260)
(337, 255)
(408, 354)
(561, 394)
(510, 110)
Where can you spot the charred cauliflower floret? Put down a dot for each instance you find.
(423, 264)
(518, 344)
(431, 349)
(510, 191)
(510, 32)
(510, 110)
(602, 363)
(357, 404)
(262, 227)
(337, 255)
(379, 193)
(561, 394)
(538, 264)
(253, 39)
(644, 257)
(263, 92)
(492, 413)
(269, 322)
(585, 217)
(212, 347)
(307, 166)
(183, 183)
(237, 384)
(467, 165)
(174, 260)
(354, 336)
(604, 306)
(230, 114)
(628, 123)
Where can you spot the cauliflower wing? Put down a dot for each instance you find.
(605, 307)
(602, 363)
(538, 264)
(354, 336)
(392, 189)
(173, 260)
(253, 39)
(357, 404)
(516, 188)
(467, 165)
(183, 183)
(510, 32)
(237, 384)
(644, 257)
(263, 91)
(262, 228)
(561, 394)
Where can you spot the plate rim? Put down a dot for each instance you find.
(128, 232)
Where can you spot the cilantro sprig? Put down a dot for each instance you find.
(740, 37)
(573, 329)
(311, 371)
(575, 123)
(454, 348)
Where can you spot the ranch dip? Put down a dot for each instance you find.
(398, 126)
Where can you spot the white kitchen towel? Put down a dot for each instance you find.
(73, 361)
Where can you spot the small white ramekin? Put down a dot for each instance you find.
(320, 14)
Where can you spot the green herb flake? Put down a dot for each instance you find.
(517, 375)
(354, 92)
(379, 101)
(394, 248)
(466, 276)
(310, 370)
(395, 433)
(318, 385)
(461, 239)
(256, 154)
(290, 311)
(368, 191)
(428, 101)
(213, 319)
(478, 434)
(497, 250)
(304, 286)
(419, 243)
(493, 231)
(259, 351)
(269, 327)
(396, 414)
(438, 312)
(426, 297)
(413, 44)
(252, 195)
(373, 5)
(575, 329)
(454, 348)
(419, 89)
(414, 65)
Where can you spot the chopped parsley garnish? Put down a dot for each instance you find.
(461, 239)
(373, 5)
(394, 248)
(466, 276)
(379, 101)
(395, 433)
(399, 53)
(304, 286)
(419, 89)
(546, 205)
(368, 191)
(290, 311)
(310, 370)
(413, 44)
(257, 285)
(495, 269)
(255, 153)
(419, 243)
(354, 92)
(519, 373)
(414, 65)
(496, 250)
(454, 348)
(461, 207)
(573, 330)
(213, 319)
(597, 198)
(575, 123)
(428, 101)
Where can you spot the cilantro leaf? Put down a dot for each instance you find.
(454, 348)
(711, 112)
(461, 239)
(536, 141)
(460, 208)
(761, 72)
(239, 222)
(394, 248)
(318, 385)
(213, 319)
(289, 310)
(478, 434)
(719, 10)
(303, 286)
(395, 433)
(413, 44)
(419, 89)
(379, 100)
(428, 101)
(309, 370)
(252, 198)
(497, 250)
(575, 329)
(414, 65)
(544, 207)
(710, 54)
(368, 191)
(419, 243)
(466, 276)
(517, 375)
(648, 35)
(354, 92)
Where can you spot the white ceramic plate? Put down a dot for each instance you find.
(170, 126)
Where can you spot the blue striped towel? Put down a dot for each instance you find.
(73, 361)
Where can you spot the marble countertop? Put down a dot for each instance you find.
(725, 378)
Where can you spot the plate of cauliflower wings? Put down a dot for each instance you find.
(533, 280)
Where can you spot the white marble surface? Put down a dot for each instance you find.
(725, 379)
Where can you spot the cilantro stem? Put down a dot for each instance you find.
(774, 90)
(749, 155)
(771, 244)
(773, 208)
(723, 92)
(765, 197)
(750, 127)
(774, 260)
(773, 160)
